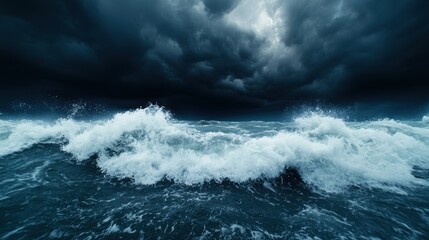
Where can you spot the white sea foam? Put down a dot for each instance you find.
(24, 134)
(425, 119)
(147, 146)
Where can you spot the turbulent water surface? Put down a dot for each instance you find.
(142, 174)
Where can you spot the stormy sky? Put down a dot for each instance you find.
(218, 56)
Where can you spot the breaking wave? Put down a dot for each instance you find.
(148, 145)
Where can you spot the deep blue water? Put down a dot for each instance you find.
(144, 175)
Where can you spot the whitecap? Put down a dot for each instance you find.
(148, 145)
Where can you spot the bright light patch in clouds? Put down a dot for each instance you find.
(265, 19)
(261, 17)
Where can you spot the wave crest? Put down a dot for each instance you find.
(148, 145)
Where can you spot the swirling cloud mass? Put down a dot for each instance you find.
(218, 55)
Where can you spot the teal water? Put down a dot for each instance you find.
(144, 175)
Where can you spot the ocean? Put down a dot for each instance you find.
(143, 174)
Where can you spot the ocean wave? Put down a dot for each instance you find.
(24, 134)
(148, 145)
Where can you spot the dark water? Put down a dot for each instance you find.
(142, 175)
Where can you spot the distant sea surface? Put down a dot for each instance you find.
(144, 175)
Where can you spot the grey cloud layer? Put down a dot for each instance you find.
(241, 53)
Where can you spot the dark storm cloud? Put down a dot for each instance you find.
(219, 6)
(216, 54)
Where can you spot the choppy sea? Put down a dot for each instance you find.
(143, 174)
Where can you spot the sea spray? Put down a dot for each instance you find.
(147, 145)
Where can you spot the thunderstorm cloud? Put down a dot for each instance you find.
(217, 55)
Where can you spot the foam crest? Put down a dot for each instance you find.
(24, 134)
(147, 145)
(329, 155)
(152, 120)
